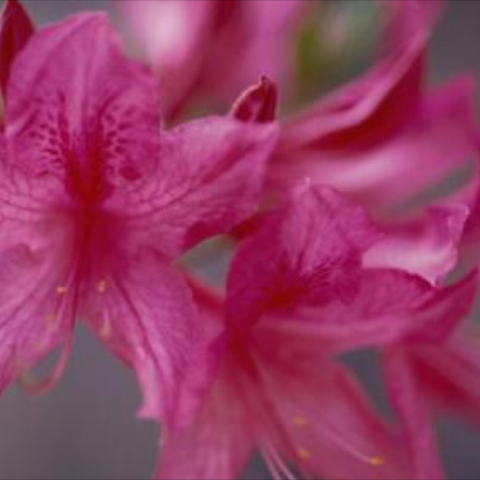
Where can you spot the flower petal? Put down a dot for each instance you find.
(80, 112)
(143, 310)
(444, 312)
(436, 141)
(379, 314)
(413, 415)
(370, 107)
(308, 251)
(16, 28)
(210, 179)
(426, 247)
(391, 307)
(173, 36)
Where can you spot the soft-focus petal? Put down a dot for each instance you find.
(88, 117)
(426, 247)
(444, 312)
(370, 107)
(390, 307)
(188, 44)
(412, 411)
(380, 313)
(389, 175)
(210, 178)
(173, 35)
(308, 250)
(143, 310)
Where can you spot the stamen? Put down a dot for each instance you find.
(105, 331)
(276, 465)
(102, 286)
(376, 461)
(303, 453)
(62, 290)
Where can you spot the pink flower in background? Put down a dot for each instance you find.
(212, 48)
(384, 138)
(317, 281)
(96, 200)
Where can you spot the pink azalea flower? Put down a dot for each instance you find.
(188, 44)
(429, 361)
(279, 388)
(384, 138)
(321, 284)
(96, 200)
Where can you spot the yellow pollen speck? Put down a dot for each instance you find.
(50, 320)
(61, 290)
(303, 454)
(102, 286)
(299, 421)
(375, 461)
(105, 331)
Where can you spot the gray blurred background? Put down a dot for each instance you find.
(85, 428)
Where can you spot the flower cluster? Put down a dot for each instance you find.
(343, 230)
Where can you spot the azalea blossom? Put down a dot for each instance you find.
(298, 294)
(97, 199)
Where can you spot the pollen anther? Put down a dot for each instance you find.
(303, 453)
(376, 461)
(50, 320)
(105, 331)
(102, 286)
(299, 421)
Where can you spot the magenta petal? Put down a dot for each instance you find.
(413, 415)
(79, 112)
(443, 313)
(308, 251)
(16, 28)
(210, 179)
(144, 312)
(173, 36)
(388, 175)
(426, 247)
(372, 107)
(391, 307)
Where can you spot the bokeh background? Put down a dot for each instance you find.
(85, 428)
